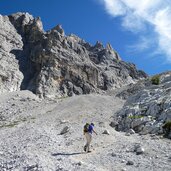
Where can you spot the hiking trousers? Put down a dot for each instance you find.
(88, 139)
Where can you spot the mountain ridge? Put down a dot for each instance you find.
(51, 64)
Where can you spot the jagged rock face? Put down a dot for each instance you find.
(132, 89)
(147, 110)
(10, 40)
(54, 64)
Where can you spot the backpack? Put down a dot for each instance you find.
(86, 127)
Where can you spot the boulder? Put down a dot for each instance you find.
(65, 130)
(140, 150)
(106, 132)
(113, 124)
(129, 162)
(131, 131)
(127, 134)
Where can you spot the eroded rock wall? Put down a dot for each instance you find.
(53, 64)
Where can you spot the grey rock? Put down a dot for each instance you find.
(113, 154)
(79, 163)
(127, 134)
(127, 150)
(101, 124)
(131, 131)
(65, 130)
(129, 162)
(113, 124)
(106, 132)
(124, 169)
(157, 157)
(140, 150)
(63, 121)
(123, 161)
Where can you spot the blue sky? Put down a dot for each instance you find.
(139, 30)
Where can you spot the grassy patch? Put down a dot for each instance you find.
(155, 80)
(9, 125)
(135, 117)
(16, 122)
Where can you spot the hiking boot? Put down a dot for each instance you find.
(85, 148)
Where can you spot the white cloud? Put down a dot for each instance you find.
(114, 8)
(143, 44)
(133, 23)
(137, 14)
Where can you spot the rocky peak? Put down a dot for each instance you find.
(21, 17)
(19, 20)
(51, 64)
(59, 29)
(75, 38)
(111, 51)
(99, 45)
(37, 24)
(109, 47)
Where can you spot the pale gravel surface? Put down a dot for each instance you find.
(30, 140)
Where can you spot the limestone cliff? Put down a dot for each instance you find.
(50, 63)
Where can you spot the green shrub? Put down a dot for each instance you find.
(155, 80)
(10, 125)
(167, 128)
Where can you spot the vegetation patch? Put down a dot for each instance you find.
(135, 117)
(9, 125)
(16, 122)
(155, 80)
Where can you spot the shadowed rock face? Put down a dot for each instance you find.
(52, 64)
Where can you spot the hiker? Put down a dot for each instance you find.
(88, 130)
